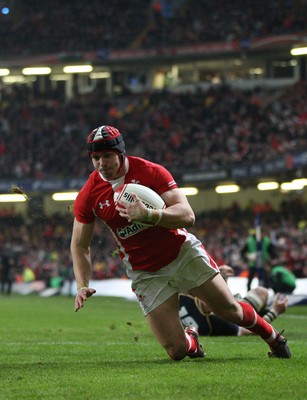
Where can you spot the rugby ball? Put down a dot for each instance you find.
(149, 197)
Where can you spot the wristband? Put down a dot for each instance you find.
(272, 314)
(149, 215)
(159, 217)
(82, 288)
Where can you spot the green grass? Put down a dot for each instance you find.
(106, 351)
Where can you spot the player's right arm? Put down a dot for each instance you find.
(81, 255)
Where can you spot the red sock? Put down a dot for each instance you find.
(256, 324)
(191, 343)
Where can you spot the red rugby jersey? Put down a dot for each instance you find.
(141, 247)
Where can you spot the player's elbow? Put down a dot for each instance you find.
(190, 219)
(77, 248)
(74, 244)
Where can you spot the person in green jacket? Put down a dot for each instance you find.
(257, 258)
(282, 279)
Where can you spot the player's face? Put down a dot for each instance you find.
(108, 164)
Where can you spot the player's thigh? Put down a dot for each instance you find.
(219, 298)
(165, 323)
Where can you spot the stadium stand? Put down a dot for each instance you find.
(206, 129)
(97, 25)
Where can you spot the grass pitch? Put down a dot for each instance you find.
(106, 351)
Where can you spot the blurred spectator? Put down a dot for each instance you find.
(257, 253)
(28, 275)
(7, 271)
(282, 280)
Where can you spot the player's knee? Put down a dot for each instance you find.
(176, 352)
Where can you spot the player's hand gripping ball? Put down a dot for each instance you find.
(149, 197)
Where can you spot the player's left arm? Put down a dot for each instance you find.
(178, 212)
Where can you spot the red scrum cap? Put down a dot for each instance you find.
(106, 138)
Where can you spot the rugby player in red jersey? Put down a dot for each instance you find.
(162, 260)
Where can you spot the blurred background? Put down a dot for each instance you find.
(213, 90)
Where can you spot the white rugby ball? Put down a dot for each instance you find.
(149, 197)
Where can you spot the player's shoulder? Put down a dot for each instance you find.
(142, 164)
(151, 174)
(139, 161)
(93, 182)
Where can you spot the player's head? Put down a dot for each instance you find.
(106, 138)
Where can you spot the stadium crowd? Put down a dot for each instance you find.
(41, 243)
(208, 129)
(103, 26)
